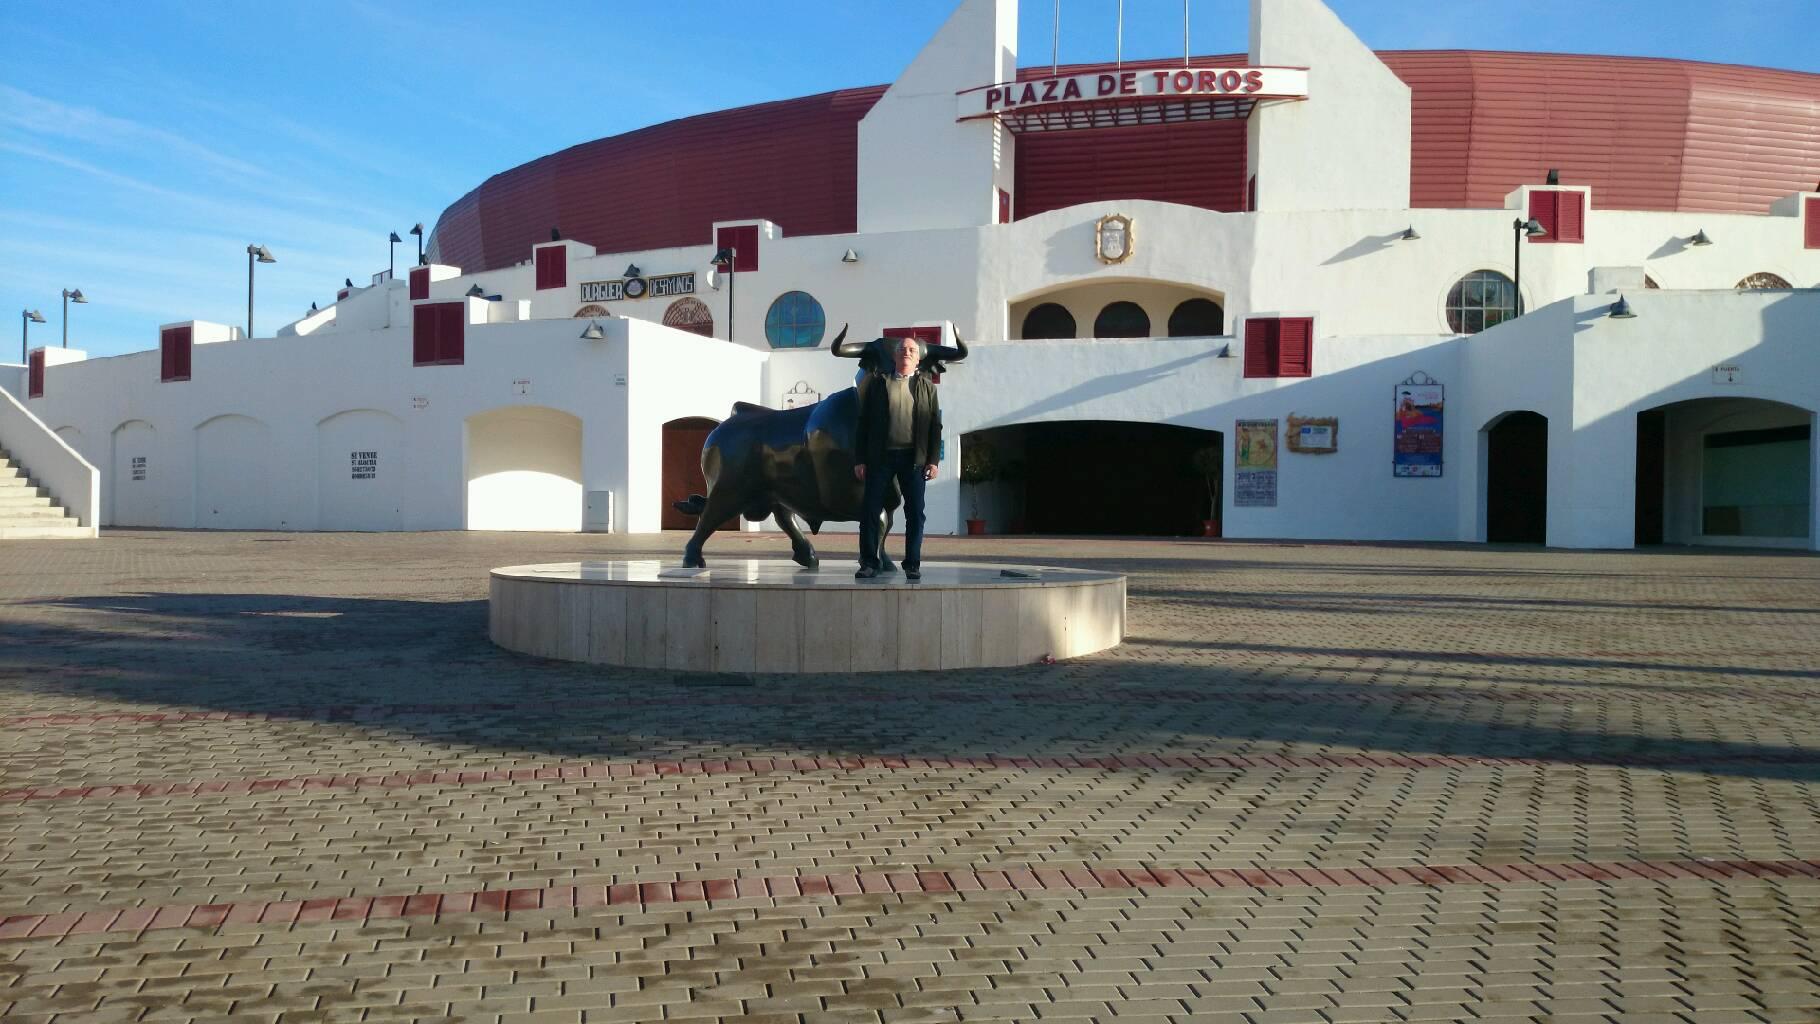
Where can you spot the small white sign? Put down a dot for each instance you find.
(420, 401)
(521, 387)
(1728, 373)
(619, 381)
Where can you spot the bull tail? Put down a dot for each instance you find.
(694, 506)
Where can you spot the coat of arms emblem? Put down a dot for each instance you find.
(1112, 238)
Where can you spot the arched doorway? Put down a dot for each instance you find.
(233, 465)
(1516, 479)
(692, 315)
(523, 470)
(1091, 477)
(683, 440)
(1050, 320)
(1725, 471)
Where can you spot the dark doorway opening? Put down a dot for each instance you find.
(1516, 480)
(1094, 477)
(1652, 474)
(683, 440)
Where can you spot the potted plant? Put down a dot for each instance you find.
(1207, 463)
(979, 465)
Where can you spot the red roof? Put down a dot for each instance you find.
(1645, 133)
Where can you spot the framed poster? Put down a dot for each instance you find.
(1254, 470)
(1316, 435)
(1418, 411)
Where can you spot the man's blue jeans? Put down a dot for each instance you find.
(899, 464)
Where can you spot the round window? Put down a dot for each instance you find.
(795, 320)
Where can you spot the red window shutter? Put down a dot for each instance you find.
(1004, 207)
(744, 239)
(34, 385)
(1813, 223)
(552, 267)
(186, 347)
(174, 345)
(1295, 347)
(423, 335)
(1261, 347)
(420, 283)
(1570, 216)
(451, 338)
(1543, 207)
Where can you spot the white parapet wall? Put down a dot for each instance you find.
(73, 482)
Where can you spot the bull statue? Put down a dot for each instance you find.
(787, 463)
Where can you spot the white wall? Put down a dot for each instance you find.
(349, 494)
(52, 460)
(233, 472)
(524, 470)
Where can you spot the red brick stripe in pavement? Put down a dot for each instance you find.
(381, 712)
(1026, 879)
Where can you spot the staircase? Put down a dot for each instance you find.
(27, 510)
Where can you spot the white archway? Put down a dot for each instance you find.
(360, 471)
(134, 474)
(523, 470)
(233, 474)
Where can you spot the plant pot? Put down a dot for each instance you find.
(976, 527)
(1210, 528)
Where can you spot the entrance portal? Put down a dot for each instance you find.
(1092, 477)
(683, 440)
(1516, 479)
(1727, 471)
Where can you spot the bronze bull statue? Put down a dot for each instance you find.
(796, 462)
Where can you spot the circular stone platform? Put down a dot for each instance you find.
(748, 615)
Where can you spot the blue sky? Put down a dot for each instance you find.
(143, 145)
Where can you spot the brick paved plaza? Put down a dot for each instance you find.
(286, 777)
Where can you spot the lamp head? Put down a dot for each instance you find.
(393, 237)
(849, 257)
(476, 292)
(416, 229)
(633, 271)
(592, 332)
(33, 315)
(1700, 238)
(1534, 229)
(724, 258)
(1409, 234)
(262, 254)
(75, 295)
(1554, 176)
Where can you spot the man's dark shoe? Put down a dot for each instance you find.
(865, 572)
(913, 572)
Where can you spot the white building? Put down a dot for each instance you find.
(1110, 338)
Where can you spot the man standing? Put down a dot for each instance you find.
(898, 437)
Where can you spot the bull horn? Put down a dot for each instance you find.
(947, 353)
(840, 340)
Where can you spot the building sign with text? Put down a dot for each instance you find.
(638, 287)
(1146, 85)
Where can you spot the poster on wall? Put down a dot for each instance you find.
(1254, 470)
(1315, 435)
(1418, 416)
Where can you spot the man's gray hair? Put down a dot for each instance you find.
(911, 338)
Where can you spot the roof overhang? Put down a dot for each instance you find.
(1118, 98)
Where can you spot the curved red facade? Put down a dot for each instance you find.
(1645, 133)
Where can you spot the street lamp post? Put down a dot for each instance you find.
(1520, 229)
(725, 259)
(27, 317)
(417, 229)
(391, 259)
(262, 255)
(70, 295)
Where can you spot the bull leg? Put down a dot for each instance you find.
(720, 507)
(801, 551)
(885, 564)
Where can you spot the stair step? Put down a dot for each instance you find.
(15, 497)
(68, 531)
(8, 472)
(15, 512)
